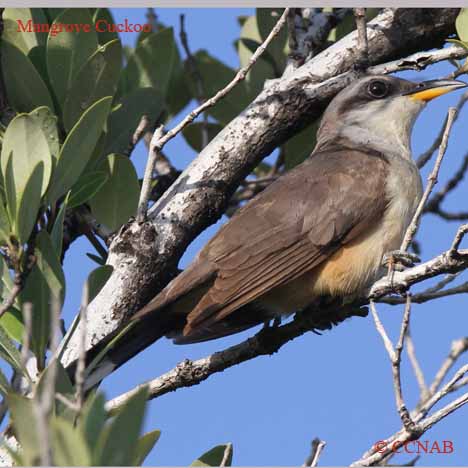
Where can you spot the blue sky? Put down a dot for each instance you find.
(337, 386)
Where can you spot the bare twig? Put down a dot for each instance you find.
(138, 133)
(452, 183)
(240, 75)
(27, 332)
(316, 449)
(426, 296)
(152, 19)
(424, 158)
(227, 454)
(395, 358)
(419, 61)
(10, 300)
(153, 154)
(360, 17)
(411, 351)
(81, 366)
(458, 347)
(431, 181)
(462, 231)
(45, 400)
(197, 78)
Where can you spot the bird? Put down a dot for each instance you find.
(321, 230)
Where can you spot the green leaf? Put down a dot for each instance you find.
(4, 384)
(16, 29)
(215, 76)
(214, 457)
(78, 148)
(124, 119)
(144, 446)
(30, 91)
(193, 133)
(56, 234)
(101, 18)
(300, 146)
(48, 122)
(45, 281)
(12, 322)
(26, 164)
(93, 418)
(117, 200)
(118, 441)
(24, 423)
(461, 24)
(97, 279)
(460, 43)
(96, 79)
(63, 386)
(67, 52)
(5, 227)
(68, 444)
(152, 62)
(86, 187)
(9, 352)
(28, 204)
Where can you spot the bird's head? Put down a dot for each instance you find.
(380, 111)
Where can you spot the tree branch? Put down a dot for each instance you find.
(431, 181)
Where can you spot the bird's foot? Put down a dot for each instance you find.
(399, 260)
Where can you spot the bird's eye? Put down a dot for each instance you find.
(378, 89)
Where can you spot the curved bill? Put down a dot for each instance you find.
(428, 90)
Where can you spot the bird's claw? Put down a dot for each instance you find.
(399, 260)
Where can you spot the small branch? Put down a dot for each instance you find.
(227, 455)
(462, 231)
(360, 18)
(153, 154)
(45, 401)
(431, 181)
(317, 447)
(411, 351)
(458, 347)
(138, 134)
(419, 61)
(10, 300)
(424, 158)
(81, 365)
(152, 19)
(426, 296)
(197, 78)
(434, 203)
(395, 358)
(240, 75)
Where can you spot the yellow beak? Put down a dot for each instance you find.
(428, 90)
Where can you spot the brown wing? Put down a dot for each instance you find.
(287, 230)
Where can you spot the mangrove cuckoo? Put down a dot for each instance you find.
(320, 230)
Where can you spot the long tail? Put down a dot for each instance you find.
(126, 342)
